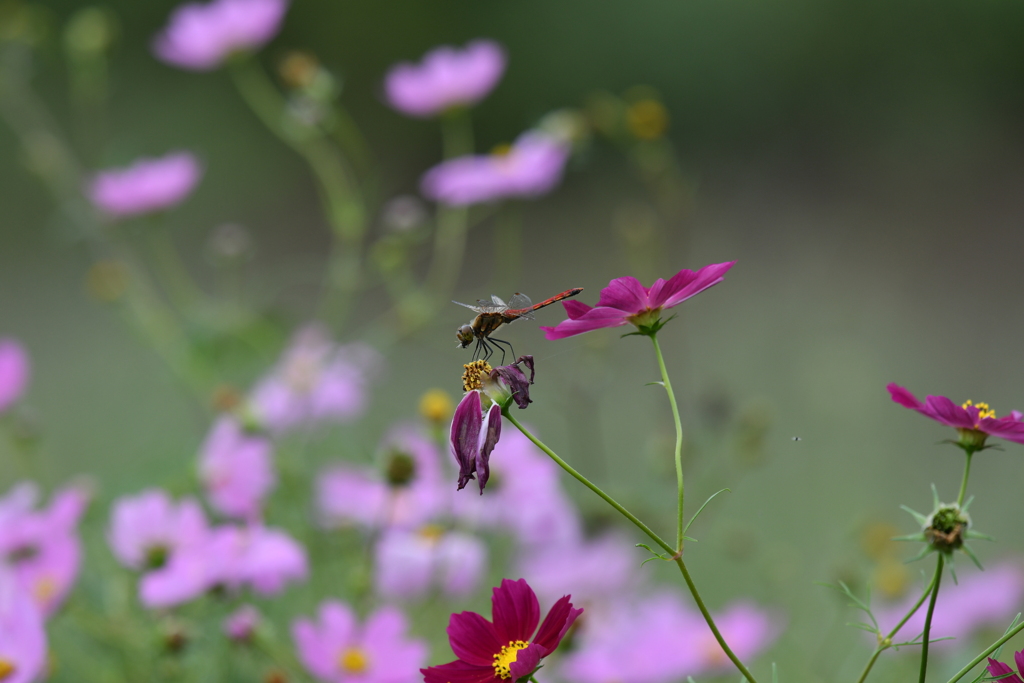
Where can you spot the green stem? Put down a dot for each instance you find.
(963, 484)
(928, 618)
(989, 650)
(679, 442)
(677, 557)
(887, 641)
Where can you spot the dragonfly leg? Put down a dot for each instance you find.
(501, 343)
(483, 349)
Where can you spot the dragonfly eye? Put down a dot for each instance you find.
(465, 335)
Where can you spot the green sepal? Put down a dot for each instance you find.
(920, 555)
(921, 519)
(970, 553)
(970, 533)
(919, 536)
(935, 498)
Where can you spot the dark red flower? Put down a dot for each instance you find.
(510, 648)
(997, 668)
(975, 422)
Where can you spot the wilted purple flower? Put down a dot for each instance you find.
(509, 382)
(626, 301)
(446, 78)
(595, 569)
(408, 563)
(405, 490)
(22, 636)
(147, 529)
(340, 650)
(974, 422)
(14, 372)
(241, 624)
(236, 469)
(531, 167)
(41, 549)
(315, 380)
(262, 558)
(978, 600)
(474, 434)
(524, 496)
(146, 186)
(201, 37)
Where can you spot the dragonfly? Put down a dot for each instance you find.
(490, 315)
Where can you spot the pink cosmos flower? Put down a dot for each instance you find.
(315, 381)
(626, 301)
(446, 78)
(146, 529)
(531, 167)
(338, 649)
(974, 422)
(41, 549)
(241, 624)
(595, 569)
(660, 639)
(509, 647)
(146, 186)
(405, 490)
(979, 599)
(236, 469)
(201, 37)
(22, 636)
(14, 372)
(409, 563)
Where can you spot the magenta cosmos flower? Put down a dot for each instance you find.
(510, 646)
(200, 37)
(237, 469)
(626, 301)
(974, 422)
(14, 372)
(22, 636)
(530, 167)
(1005, 672)
(340, 650)
(446, 78)
(146, 186)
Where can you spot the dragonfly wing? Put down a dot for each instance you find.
(498, 302)
(519, 300)
(478, 309)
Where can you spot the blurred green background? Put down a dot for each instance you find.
(863, 162)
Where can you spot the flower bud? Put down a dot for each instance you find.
(946, 528)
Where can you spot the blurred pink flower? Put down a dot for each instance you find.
(593, 569)
(315, 380)
(146, 186)
(531, 167)
(446, 78)
(409, 563)
(201, 37)
(237, 469)
(626, 301)
(14, 372)
(22, 636)
(242, 623)
(41, 549)
(660, 639)
(336, 648)
(259, 557)
(185, 577)
(524, 496)
(405, 490)
(988, 598)
(974, 422)
(148, 528)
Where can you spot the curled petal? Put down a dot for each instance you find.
(904, 397)
(686, 284)
(465, 435)
(488, 440)
(560, 617)
(527, 661)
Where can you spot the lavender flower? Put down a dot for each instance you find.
(14, 372)
(409, 563)
(315, 381)
(236, 469)
(595, 569)
(146, 186)
(336, 648)
(241, 624)
(262, 558)
(201, 37)
(147, 529)
(531, 167)
(22, 637)
(446, 78)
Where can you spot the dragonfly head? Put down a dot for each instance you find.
(465, 335)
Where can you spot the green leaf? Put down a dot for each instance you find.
(702, 508)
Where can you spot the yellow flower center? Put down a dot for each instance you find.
(353, 661)
(474, 372)
(647, 119)
(431, 532)
(7, 669)
(44, 590)
(502, 150)
(983, 410)
(436, 405)
(507, 657)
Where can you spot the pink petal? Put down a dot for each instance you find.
(999, 669)
(576, 309)
(686, 284)
(948, 413)
(625, 294)
(515, 610)
(904, 397)
(527, 661)
(594, 319)
(459, 672)
(473, 639)
(560, 617)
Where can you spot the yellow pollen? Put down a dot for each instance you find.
(501, 150)
(647, 119)
(353, 661)
(507, 657)
(983, 409)
(431, 532)
(7, 669)
(475, 371)
(436, 405)
(44, 590)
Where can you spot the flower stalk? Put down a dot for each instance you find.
(928, 618)
(665, 382)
